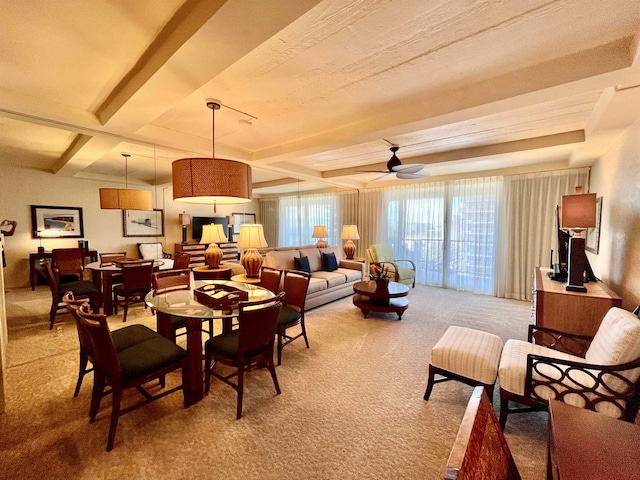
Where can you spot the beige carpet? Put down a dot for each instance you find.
(351, 405)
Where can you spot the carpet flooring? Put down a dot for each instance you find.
(351, 405)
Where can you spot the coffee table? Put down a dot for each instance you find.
(370, 298)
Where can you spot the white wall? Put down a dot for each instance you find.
(616, 178)
(21, 188)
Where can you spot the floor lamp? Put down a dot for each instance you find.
(578, 212)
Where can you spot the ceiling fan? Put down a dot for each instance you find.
(403, 172)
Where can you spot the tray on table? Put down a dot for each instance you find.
(220, 296)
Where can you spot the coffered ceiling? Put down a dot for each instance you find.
(314, 91)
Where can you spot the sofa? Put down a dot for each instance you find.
(325, 286)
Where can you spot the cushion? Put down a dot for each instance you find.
(227, 344)
(288, 316)
(382, 252)
(302, 264)
(79, 288)
(131, 335)
(333, 279)
(151, 251)
(316, 284)
(329, 262)
(281, 259)
(471, 353)
(617, 339)
(315, 259)
(149, 356)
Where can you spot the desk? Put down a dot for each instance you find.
(588, 445)
(182, 303)
(371, 298)
(102, 277)
(92, 255)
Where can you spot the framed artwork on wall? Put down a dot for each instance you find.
(592, 242)
(56, 222)
(143, 223)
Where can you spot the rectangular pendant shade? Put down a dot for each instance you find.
(211, 181)
(125, 199)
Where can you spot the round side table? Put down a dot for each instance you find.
(205, 273)
(244, 279)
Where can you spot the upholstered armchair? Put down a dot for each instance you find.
(382, 255)
(600, 374)
(154, 251)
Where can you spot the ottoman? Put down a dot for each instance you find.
(467, 355)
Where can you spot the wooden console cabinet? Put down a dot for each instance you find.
(573, 312)
(196, 250)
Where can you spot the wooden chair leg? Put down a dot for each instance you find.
(52, 315)
(240, 391)
(207, 373)
(430, 382)
(304, 332)
(280, 335)
(272, 371)
(115, 415)
(504, 411)
(96, 394)
(84, 360)
(126, 309)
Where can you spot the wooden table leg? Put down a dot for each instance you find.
(194, 347)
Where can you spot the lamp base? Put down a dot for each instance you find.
(575, 288)
(322, 244)
(252, 261)
(349, 249)
(577, 265)
(184, 234)
(213, 255)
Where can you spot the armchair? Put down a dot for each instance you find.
(382, 255)
(154, 251)
(600, 374)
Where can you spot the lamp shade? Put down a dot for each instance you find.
(251, 236)
(211, 181)
(319, 231)
(125, 199)
(184, 219)
(213, 233)
(350, 232)
(578, 211)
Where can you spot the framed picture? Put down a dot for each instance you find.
(56, 222)
(240, 219)
(592, 243)
(143, 223)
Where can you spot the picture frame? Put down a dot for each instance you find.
(241, 219)
(592, 242)
(143, 223)
(49, 221)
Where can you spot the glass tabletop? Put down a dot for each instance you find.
(182, 303)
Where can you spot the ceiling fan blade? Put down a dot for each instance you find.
(381, 176)
(411, 176)
(373, 171)
(409, 168)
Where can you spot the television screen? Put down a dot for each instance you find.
(198, 222)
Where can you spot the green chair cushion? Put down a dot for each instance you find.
(148, 357)
(131, 335)
(79, 288)
(288, 315)
(226, 345)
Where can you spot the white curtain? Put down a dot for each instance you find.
(528, 230)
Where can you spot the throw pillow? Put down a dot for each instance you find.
(329, 262)
(302, 264)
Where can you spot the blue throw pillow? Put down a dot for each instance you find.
(329, 262)
(302, 264)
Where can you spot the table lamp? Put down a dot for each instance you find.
(251, 238)
(184, 219)
(578, 212)
(213, 234)
(350, 233)
(320, 232)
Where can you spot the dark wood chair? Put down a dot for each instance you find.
(251, 345)
(68, 264)
(122, 338)
(169, 281)
(296, 284)
(131, 367)
(107, 259)
(181, 261)
(480, 451)
(136, 283)
(270, 279)
(82, 290)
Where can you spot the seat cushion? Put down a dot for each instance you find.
(316, 284)
(131, 335)
(149, 356)
(469, 353)
(79, 288)
(333, 279)
(226, 345)
(288, 316)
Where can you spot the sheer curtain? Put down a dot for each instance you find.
(528, 226)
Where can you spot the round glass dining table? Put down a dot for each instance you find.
(182, 303)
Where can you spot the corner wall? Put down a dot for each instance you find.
(616, 178)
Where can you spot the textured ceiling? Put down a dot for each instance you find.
(314, 91)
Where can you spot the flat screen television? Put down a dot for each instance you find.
(198, 222)
(560, 272)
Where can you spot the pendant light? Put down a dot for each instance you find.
(124, 198)
(211, 180)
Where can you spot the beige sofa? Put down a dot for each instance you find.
(325, 286)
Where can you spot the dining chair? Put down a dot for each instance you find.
(68, 264)
(251, 345)
(136, 283)
(270, 279)
(107, 259)
(181, 260)
(131, 367)
(169, 281)
(82, 289)
(122, 338)
(296, 284)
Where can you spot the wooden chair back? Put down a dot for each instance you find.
(105, 355)
(480, 451)
(181, 260)
(107, 259)
(45, 268)
(296, 284)
(73, 306)
(68, 261)
(270, 279)
(257, 325)
(170, 280)
(136, 276)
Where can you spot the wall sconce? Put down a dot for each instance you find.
(578, 213)
(184, 219)
(320, 232)
(350, 233)
(213, 234)
(251, 238)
